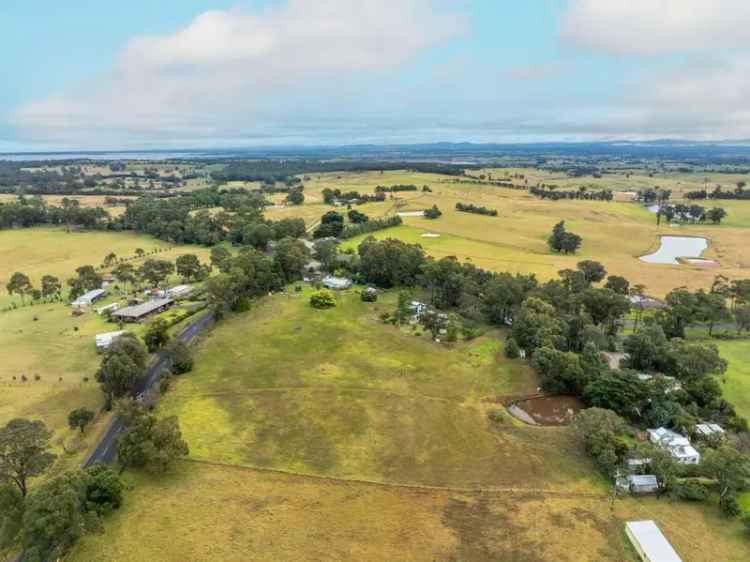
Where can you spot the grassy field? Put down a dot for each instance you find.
(615, 233)
(327, 435)
(43, 250)
(737, 379)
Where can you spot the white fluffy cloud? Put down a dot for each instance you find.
(227, 71)
(654, 27)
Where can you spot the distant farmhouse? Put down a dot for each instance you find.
(140, 311)
(675, 444)
(87, 299)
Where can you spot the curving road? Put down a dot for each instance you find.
(106, 450)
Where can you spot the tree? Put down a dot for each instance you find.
(445, 279)
(604, 435)
(80, 418)
(11, 512)
(560, 371)
(618, 284)
(103, 489)
(605, 307)
(124, 273)
(140, 252)
(563, 241)
(357, 217)
(619, 391)
(511, 349)
(122, 368)
(51, 286)
(390, 262)
(181, 357)
(536, 325)
(326, 252)
(24, 451)
(716, 215)
(742, 318)
(322, 299)
(54, 516)
(257, 235)
(188, 267)
(290, 258)
(19, 284)
(220, 257)
(645, 349)
(593, 271)
(109, 259)
(148, 442)
(86, 279)
(156, 271)
(156, 335)
(433, 212)
(711, 308)
(732, 471)
(331, 225)
(295, 197)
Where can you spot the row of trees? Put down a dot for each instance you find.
(581, 193)
(691, 213)
(479, 210)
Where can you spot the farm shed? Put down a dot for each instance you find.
(643, 484)
(103, 341)
(107, 308)
(87, 299)
(649, 542)
(140, 311)
(179, 291)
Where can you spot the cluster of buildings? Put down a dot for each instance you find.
(677, 445)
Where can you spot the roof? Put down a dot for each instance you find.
(106, 338)
(651, 541)
(643, 480)
(336, 282)
(709, 428)
(89, 296)
(179, 289)
(142, 309)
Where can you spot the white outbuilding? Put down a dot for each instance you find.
(103, 341)
(649, 542)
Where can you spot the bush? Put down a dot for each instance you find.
(496, 416)
(691, 491)
(322, 299)
(182, 358)
(164, 384)
(369, 295)
(512, 351)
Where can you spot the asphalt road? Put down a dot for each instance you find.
(106, 450)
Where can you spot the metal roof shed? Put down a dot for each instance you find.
(649, 542)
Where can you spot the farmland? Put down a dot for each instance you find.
(615, 233)
(55, 251)
(328, 435)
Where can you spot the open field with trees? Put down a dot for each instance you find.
(54, 251)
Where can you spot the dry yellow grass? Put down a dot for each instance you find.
(236, 514)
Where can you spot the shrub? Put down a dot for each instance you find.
(512, 351)
(691, 491)
(322, 299)
(369, 295)
(496, 415)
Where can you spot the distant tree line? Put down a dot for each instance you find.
(718, 193)
(330, 196)
(580, 193)
(471, 208)
(691, 213)
(283, 169)
(395, 188)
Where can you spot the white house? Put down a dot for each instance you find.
(103, 341)
(649, 542)
(179, 291)
(707, 429)
(677, 445)
(87, 299)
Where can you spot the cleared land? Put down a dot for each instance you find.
(50, 250)
(737, 378)
(343, 399)
(615, 233)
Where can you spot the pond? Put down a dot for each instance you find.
(547, 410)
(673, 247)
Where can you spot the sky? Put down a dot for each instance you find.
(198, 73)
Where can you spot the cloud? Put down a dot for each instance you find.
(656, 27)
(230, 73)
(533, 71)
